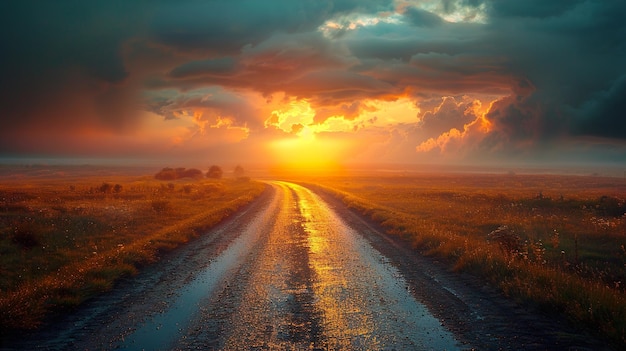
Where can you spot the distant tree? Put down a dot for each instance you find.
(105, 188)
(166, 174)
(192, 173)
(180, 172)
(117, 188)
(239, 172)
(215, 172)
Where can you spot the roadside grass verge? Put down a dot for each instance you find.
(63, 241)
(556, 242)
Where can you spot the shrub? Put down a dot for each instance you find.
(192, 173)
(178, 173)
(166, 174)
(215, 172)
(508, 240)
(611, 206)
(105, 188)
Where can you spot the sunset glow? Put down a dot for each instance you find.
(307, 153)
(315, 83)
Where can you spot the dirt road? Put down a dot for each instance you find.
(296, 271)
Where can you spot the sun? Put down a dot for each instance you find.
(307, 152)
(306, 146)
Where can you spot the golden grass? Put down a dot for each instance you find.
(62, 241)
(570, 257)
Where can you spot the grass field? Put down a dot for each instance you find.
(65, 239)
(557, 242)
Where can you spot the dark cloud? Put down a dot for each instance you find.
(214, 103)
(52, 46)
(56, 53)
(295, 53)
(225, 26)
(212, 67)
(422, 18)
(279, 63)
(571, 52)
(332, 87)
(463, 63)
(531, 8)
(608, 109)
(422, 80)
(44, 35)
(556, 67)
(403, 48)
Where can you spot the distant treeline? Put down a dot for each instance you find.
(168, 173)
(214, 172)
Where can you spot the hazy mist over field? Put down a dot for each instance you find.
(314, 84)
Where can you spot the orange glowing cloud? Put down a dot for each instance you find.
(455, 140)
(294, 113)
(440, 142)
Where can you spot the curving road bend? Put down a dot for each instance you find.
(293, 271)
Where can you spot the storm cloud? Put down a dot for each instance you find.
(491, 77)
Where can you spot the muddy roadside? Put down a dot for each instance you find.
(479, 314)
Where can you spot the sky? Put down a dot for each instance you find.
(314, 83)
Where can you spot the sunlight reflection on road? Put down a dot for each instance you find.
(365, 301)
(298, 277)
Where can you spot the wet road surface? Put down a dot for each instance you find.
(288, 273)
(295, 271)
(314, 283)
